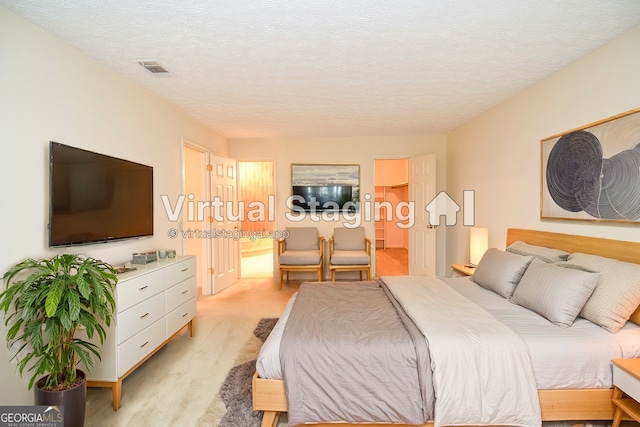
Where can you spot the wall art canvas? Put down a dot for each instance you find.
(320, 187)
(593, 173)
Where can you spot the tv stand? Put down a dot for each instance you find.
(153, 304)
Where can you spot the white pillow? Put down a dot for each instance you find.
(500, 271)
(542, 253)
(617, 293)
(555, 292)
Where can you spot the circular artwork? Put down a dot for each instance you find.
(581, 177)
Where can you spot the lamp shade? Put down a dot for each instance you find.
(478, 243)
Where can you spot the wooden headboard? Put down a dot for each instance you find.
(616, 249)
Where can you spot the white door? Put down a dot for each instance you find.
(422, 236)
(224, 226)
(195, 182)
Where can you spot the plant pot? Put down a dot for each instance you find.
(73, 401)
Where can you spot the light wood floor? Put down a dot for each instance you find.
(392, 262)
(177, 385)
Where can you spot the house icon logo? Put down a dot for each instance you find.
(444, 205)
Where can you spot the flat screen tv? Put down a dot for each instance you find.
(323, 197)
(97, 198)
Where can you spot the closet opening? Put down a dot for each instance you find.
(391, 241)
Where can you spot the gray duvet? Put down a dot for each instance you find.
(349, 354)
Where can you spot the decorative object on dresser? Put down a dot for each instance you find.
(144, 257)
(47, 302)
(153, 303)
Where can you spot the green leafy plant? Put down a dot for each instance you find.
(45, 302)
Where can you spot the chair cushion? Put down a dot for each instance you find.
(349, 239)
(300, 257)
(302, 239)
(350, 258)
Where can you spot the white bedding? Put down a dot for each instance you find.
(575, 357)
(482, 373)
(268, 364)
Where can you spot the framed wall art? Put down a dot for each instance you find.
(593, 173)
(325, 187)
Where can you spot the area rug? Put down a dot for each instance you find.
(232, 405)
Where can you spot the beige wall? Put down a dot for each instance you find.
(361, 150)
(498, 154)
(50, 91)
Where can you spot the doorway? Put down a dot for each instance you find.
(195, 182)
(255, 181)
(391, 241)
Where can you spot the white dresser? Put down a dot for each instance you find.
(153, 303)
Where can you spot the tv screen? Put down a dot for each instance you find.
(97, 198)
(325, 197)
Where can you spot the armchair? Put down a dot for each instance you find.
(302, 250)
(349, 250)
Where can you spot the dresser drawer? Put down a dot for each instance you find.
(180, 293)
(180, 271)
(139, 346)
(138, 317)
(181, 316)
(131, 292)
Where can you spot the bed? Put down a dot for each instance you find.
(582, 402)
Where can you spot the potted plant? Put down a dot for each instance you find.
(44, 303)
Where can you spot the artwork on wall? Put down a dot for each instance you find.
(323, 187)
(593, 173)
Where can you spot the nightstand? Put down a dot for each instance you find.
(462, 270)
(626, 379)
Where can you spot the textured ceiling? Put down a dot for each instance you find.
(268, 68)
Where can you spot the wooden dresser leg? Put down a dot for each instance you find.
(190, 326)
(116, 394)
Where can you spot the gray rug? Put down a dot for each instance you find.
(233, 405)
(236, 388)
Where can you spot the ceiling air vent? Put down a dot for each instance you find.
(154, 67)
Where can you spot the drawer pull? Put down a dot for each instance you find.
(184, 292)
(143, 288)
(144, 315)
(184, 269)
(186, 314)
(145, 343)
